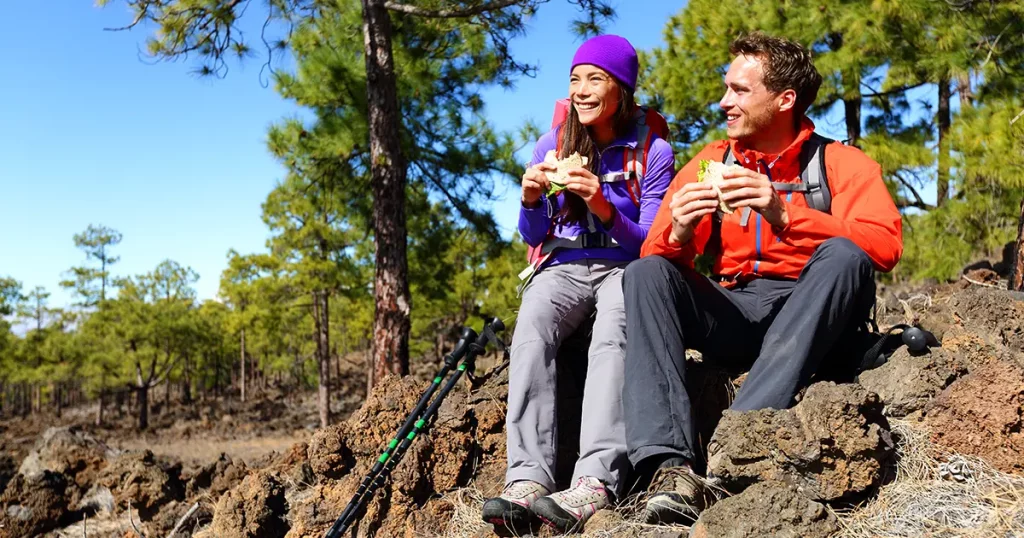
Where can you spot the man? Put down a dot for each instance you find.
(789, 279)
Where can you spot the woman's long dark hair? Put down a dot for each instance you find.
(576, 138)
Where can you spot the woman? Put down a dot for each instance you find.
(598, 223)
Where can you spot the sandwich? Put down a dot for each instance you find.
(711, 172)
(560, 176)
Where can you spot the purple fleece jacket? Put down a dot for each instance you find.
(629, 228)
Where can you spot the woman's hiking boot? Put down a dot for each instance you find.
(568, 510)
(512, 509)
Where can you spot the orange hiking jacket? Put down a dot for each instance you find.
(862, 211)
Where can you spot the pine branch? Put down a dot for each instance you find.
(918, 201)
(1017, 117)
(166, 371)
(450, 13)
(992, 47)
(878, 93)
(138, 18)
(902, 203)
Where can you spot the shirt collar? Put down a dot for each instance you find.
(791, 152)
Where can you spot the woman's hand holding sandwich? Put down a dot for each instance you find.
(536, 183)
(586, 185)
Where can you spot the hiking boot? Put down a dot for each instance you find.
(512, 508)
(568, 510)
(677, 495)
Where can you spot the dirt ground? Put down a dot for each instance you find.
(265, 468)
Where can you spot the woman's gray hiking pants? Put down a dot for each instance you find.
(557, 301)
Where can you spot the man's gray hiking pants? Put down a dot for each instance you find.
(784, 328)
(557, 301)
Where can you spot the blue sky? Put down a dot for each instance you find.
(91, 133)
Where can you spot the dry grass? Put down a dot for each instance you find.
(925, 501)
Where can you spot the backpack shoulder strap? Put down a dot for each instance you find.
(635, 166)
(643, 144)
(813, 173)
(728, 158)
(558, 141)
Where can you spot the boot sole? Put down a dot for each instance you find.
(508, 515)
(554, 516)
(664, 510)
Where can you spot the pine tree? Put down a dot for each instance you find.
(150, 328)
(10, 296)
(472, 35)
(238, 289)
(90, 283)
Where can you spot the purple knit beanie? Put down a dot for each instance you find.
(613, 54)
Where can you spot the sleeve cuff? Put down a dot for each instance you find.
(793, 215)
(616, 223)
(619, 229)
(539, 204)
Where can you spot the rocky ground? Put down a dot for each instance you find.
(925, 445)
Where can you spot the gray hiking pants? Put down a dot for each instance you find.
(557, 301)
(780, 329)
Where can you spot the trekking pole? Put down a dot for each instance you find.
(450, 361)
(471, 345)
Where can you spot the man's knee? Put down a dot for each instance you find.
(646, 273)
(840, 255)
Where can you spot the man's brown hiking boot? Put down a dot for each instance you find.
(677, 495)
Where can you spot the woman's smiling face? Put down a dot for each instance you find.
(595, 94)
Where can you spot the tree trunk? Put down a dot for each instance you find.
(57, 395)
(119, 403)
(263, 374)
(142, 393)
(323, 355)
(391, 284)
(26, 400)
(852, 107)
(243, 364)
(186, 382)
(216, 376)
(1017, 270)
(963, 87)
(99, 408)
(943, 120)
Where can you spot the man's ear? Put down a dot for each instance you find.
(786, 100)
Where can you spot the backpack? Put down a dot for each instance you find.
(649, 122)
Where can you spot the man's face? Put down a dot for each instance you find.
(749, 107)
